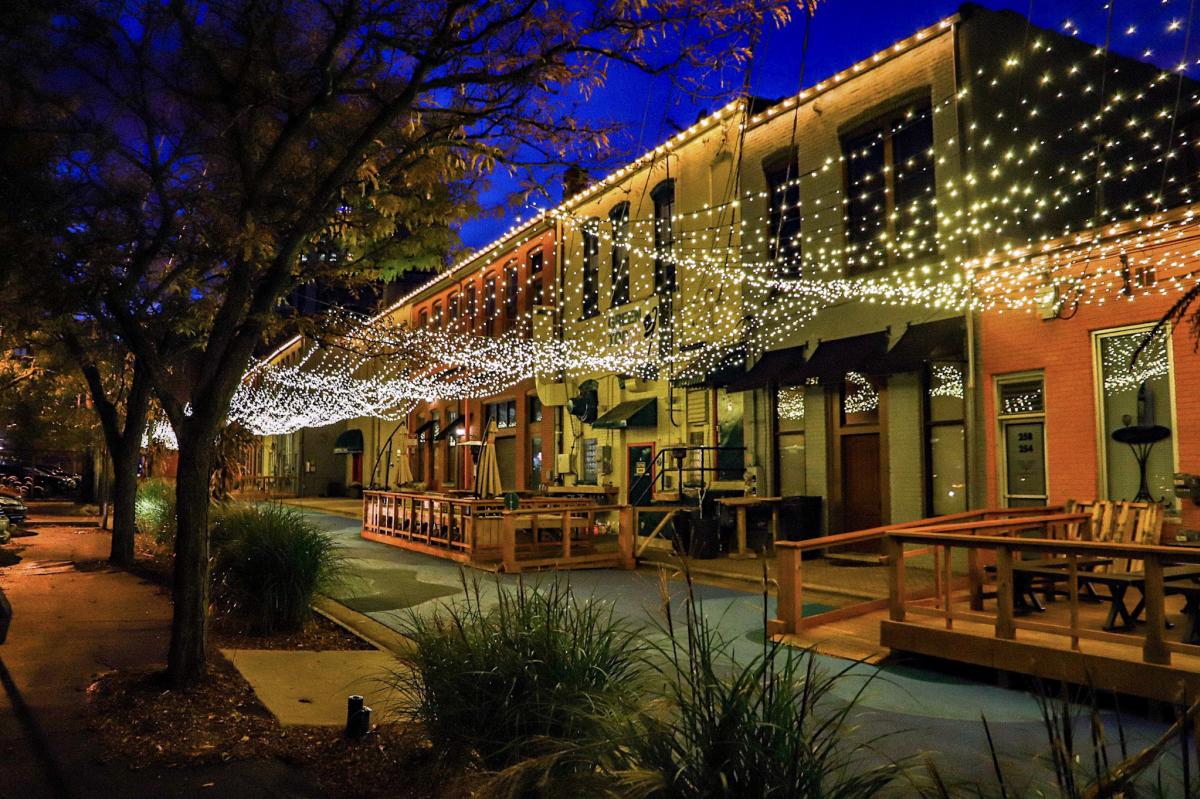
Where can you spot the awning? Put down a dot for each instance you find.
(634, 413)
(833, 358)
(449, 429)
(943, 340)
(348, 442)
(423, 429)
(774, 367)
(704, 371)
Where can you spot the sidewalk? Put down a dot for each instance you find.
(73, 618)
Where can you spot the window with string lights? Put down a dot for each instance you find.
(619, 219)
(489, 306)
(591, 269)
(512, 295)
(784, 246)
(663, 196)
(890, 205)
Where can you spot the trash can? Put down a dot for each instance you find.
(799, 518)
(705, 538)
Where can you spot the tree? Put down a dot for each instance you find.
(209, 149)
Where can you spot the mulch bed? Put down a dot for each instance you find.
(143, 721)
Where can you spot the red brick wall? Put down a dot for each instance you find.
(1017, 341)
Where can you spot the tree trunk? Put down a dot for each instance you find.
(124, 499)
(187, 658)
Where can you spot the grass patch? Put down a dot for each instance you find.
(270, 561)
(154, 511)
(505, 684)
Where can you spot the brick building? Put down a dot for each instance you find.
(1059, 373)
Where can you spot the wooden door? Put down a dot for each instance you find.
(862, 483)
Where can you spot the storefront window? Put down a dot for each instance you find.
(731, 460)
(860, 400)
(1135, 392)
(946, 478)
(789, 426)
(1021, 412)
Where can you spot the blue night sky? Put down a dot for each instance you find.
(843, 32)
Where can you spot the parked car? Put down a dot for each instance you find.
(13, 508)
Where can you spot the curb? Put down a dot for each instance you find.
(373, 632)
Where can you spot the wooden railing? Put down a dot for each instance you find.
(1150, 583)
(533, 538)
(541, 532)
(789, 555)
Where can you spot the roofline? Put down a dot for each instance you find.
(737, 104)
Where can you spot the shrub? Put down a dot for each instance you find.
(505, 684)
(154, 511)
(270, 564)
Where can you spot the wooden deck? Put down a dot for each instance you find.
(1104, 665)
(1113, 664)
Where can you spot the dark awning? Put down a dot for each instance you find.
(943, 340)
(774, 367)
(449, 429)
(710, 371)
(423, 429)
(833, 358)
(634, 413)
(348, 442)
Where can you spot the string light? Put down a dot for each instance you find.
(923, 228)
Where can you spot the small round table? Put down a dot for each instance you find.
(1141, 438)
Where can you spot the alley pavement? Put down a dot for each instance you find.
(75, 617)
(917, 709)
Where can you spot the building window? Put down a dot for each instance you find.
(535, 410)
(489, 306)
(437, 314)
(472, 308)
(535, 462)
(591, 268)
(891, 207)
(945, 439)
(789, 440)
(504, 413)
(423, 319)
(512, 289)
(783, 216)
(452, 310)
(1134, 393)
(536, 262)
(1021, 413)
(619, 218)
(663, 196)
(859, 400)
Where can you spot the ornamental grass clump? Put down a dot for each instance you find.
(154, 511)
(507, 685)
(270, 564)
(768, 727)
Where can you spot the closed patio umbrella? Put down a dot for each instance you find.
(487, 470)
(404, 474)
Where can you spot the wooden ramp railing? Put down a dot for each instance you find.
(789, 573)
(1166, 571)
